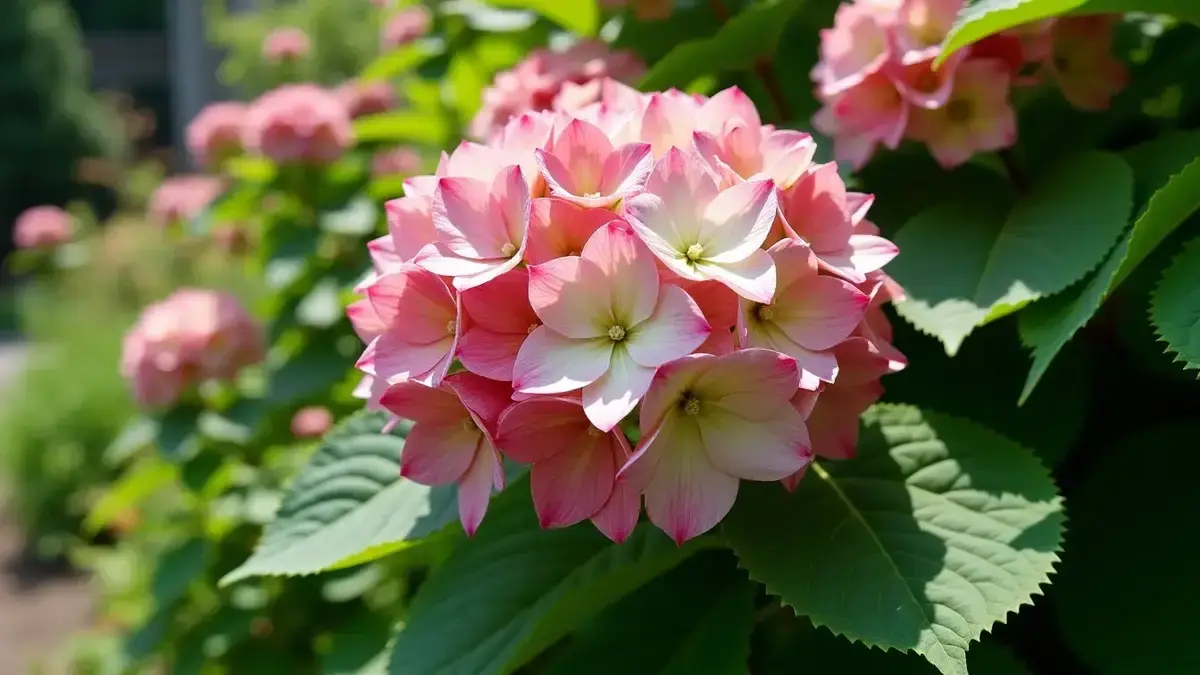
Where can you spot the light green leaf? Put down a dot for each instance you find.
(357, 218)
(933, 533)
(579, 16)
(1175, 308)
(397, 62)
(515, 589)
(1169, 169)
(982, 18)
(1127, 594)
(404, 126)
(322, 307)
(751, 34)
(348, 506)
(128, 492)
(969, 261)
(671, 626)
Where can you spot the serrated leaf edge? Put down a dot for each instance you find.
(1057, 559)
(1153, 309)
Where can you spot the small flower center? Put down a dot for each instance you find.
(694, 252)
(508, 249)
(959, 110)
(593, 432)
(591, 195)
(451, 327)
(532, 327)
(616, 333)
(691, 406)
(468, 424)
(765, 313)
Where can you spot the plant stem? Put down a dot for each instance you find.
(762, 69)
(1015, 172)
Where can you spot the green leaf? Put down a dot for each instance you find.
(515, 589)
(311, 372)
(1169, 169)
(348, 506)
(580, 16)
(176, 436)
(360, 647)
(403, 127)
(982, 18)
(392, 64)
(670, 627)
(1175, 308)
(358, 218)
(129, 491)
(176, 570)
(933, 533)
(970, 260)
(322, 307)
(1130, 521)
(751, 34)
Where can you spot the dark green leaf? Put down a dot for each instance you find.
(176, 570)
(359, 648)
(932, 534)
(176, 437)
(1175, 308)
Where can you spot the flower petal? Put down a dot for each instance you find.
(538, 428)
(687, 495)
(550, 363)
(819, 312)
(626, 170)
(397, 360)
(737, 221)
(467, 219)
(770, 449)
(675, 329)
(502, 305)
(786, 156)
(560, 228)
(574, 484)
(682, 186)
(616, 393)
(628, 271)
(438, 259)
(752, 278)
(475, 487)
(751, 383)
(490, 354)
(869, 252)
(410, 224)
(420, 404)
(439, 452)
(413, 303)
(570, 295)
(619, 515)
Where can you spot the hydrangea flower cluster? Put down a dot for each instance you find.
(298, 123)
(401, 161)
(878, 85)
(42, 227)
(182, 198)
(405, 26)
(311, 422)
(362, 98)
(660, 261)
(286, 44)
(192, 336)
(215, 134)
(553, 80)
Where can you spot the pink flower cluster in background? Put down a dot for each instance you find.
(286, 44)
(405, 26)
(660, 261)
(192, 336)
(362, 98)
(553, 80)
(182, 198)
(298, 123)
(878, 85)
(215, 134)
(395, 162)
(311, 422)
(42, 227)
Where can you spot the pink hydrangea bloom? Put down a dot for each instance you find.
(405, 26)
(183, 198)
(192, 336)
(366, 98)
(877, 84)
(286, 44)
(537, 82)
(42, 227)
(216, 133)
(395, 162)
(453, 440)
(661, 255)
(298, 123)
(312, 422)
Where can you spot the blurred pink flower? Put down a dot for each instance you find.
(298, 123)
(395, 162)
(977, 116)
(537, 81)
(42, 227)
(286, 44)
(312, 422)
(366, 98)
(192, 336)
(216, 133)
(1081, 61)
(182, 198)
(405, 26)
